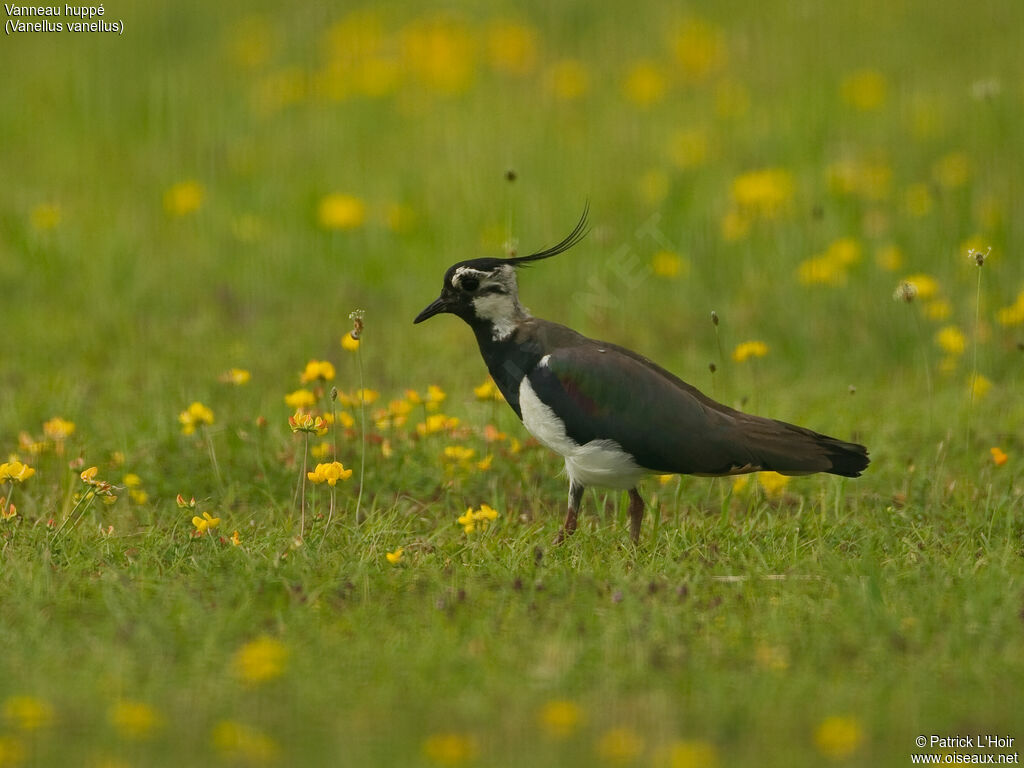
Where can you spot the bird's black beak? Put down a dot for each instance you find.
(439, 305)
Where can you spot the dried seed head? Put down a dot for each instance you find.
(712, 367)
(977, 257)
(853, 389)
(510, 175)
(356, 316)
(714, 317)
(905, 292)
(334, 394)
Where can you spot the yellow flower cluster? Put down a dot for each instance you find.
(206, 523)
(58, 429)
(1013, 314)
(236, 376)
(838, 737)
(193, 416)
(184, 198)
(437, 422)
(260, 660)
(748, 349)
(301, 421)
(477, 518)
(488, 391)
(317, 370)
(764, 193)
(15, 471)
(329, 473)
(830, 267)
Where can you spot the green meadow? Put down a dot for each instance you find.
(233, 534)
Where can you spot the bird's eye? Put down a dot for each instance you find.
(469, 284)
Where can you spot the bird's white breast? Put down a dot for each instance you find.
(599, 462)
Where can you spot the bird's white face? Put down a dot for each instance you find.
(493, 294)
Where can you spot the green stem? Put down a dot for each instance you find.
(89, 496)
(974, 363)
(213, 457)
(362, 430)
(927, 366)
(302, 480)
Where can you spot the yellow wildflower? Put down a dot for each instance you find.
(567, 79)
(951, 339)
(341, 212)
(184, 198)
(458, 453)
(301, 421)
(512, 47)
(205, 523)
(773, 483)
(348, 343)
(346, 419)
(329, 473)
(7, 511)
(236, 376)
(322, 450)
(1013, 314)
(864, 90)
(645, 83)
(979, 385)
(488, 391)
(317, 370)
(395, 557)
(240, 743)
(193, 416)
(15, 471)
(134, 719)
(441, 52)
(300, 398)
(58, 429)
(437, 422)
(620, 745)
(435, 396)
(560, 718)
(766, 192)
(447, 749)
(260, 660)
(472, 518)
(998, 458)
(45, 216)
(925, 286)
(693, 753)
(367, 396)
(12, 751)
(27, 713)
(749, 349)
(838, 737)
(699, 48)
(235, 539)
(485, 463)
(669, 264)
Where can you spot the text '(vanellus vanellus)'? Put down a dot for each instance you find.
(613, 414)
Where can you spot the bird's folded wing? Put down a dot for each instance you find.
(603, 392)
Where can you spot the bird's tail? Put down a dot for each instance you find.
(792, 450)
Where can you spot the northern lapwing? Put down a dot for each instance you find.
(614, 415)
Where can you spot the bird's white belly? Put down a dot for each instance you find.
(599, 462)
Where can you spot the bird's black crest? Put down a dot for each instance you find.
(578, 233)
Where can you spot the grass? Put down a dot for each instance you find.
(827, 621)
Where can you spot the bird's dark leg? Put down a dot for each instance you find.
(569, 526)
(636, 514)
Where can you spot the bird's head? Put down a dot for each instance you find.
(485, 291)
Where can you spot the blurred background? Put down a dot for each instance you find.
(223, 183)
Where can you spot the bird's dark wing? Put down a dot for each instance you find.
(605, 392)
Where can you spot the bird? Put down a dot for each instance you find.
(611, 413)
